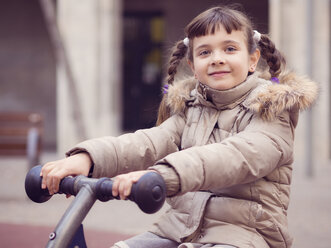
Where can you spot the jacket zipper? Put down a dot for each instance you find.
(204, 91)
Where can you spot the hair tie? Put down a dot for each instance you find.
(257, 36)
(186, 42)
(275, 80)
(165, 89)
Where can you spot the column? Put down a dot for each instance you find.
(91, 31)
(301, 30)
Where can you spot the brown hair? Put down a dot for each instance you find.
(207, 23)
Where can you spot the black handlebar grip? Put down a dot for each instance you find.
(37, 194)
(149, 192)
(33, 186)
(103, 189)
(67, 186)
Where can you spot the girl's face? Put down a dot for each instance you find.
(222, 60)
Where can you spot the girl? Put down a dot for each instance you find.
(223, 141)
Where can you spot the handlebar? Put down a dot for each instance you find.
(148, 193)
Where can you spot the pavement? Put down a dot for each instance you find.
(24, 223)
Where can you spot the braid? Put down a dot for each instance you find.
(274, 58)
(178, 54)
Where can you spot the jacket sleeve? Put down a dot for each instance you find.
(242, 158)
(112, 156)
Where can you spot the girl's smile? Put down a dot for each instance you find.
(221, 60)
(219, 74)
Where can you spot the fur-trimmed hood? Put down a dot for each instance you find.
(268, 99)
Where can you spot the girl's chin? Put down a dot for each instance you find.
(220, 85)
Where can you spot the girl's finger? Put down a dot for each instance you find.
(53, 180)
(121, 190)
(126, 189)
(115, 187)
(56, 183)
(45, 170)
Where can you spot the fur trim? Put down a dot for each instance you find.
(293, 92)
(268, 99)
(179, 94)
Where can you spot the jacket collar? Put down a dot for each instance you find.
(224, 99)
(258, 94)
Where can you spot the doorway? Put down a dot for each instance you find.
(142, 68)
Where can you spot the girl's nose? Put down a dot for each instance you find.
(217, 59)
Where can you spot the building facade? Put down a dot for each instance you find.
(117, 50)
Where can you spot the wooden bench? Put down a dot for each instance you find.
(21, 134)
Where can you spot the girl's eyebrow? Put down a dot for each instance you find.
(230, 42)
(225, 42)
(202, 46)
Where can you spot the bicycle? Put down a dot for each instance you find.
(148, 193)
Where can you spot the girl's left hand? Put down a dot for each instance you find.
(123, 183)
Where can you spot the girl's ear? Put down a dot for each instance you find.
(254, 59)
(190, 63)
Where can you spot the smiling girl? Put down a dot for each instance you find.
(223, 141)
(221, 60)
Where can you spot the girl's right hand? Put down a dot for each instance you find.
(53, 172)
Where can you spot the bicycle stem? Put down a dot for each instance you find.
(72, 218)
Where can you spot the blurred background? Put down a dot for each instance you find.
(72, 70)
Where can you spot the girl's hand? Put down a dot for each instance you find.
(123, 183)
(53, 172)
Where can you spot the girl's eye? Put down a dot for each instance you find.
(231, 49)
(204, 52)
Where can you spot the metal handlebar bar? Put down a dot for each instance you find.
(148, 193)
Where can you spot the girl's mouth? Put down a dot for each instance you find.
(218, 73)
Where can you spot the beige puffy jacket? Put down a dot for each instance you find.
(226, 156)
